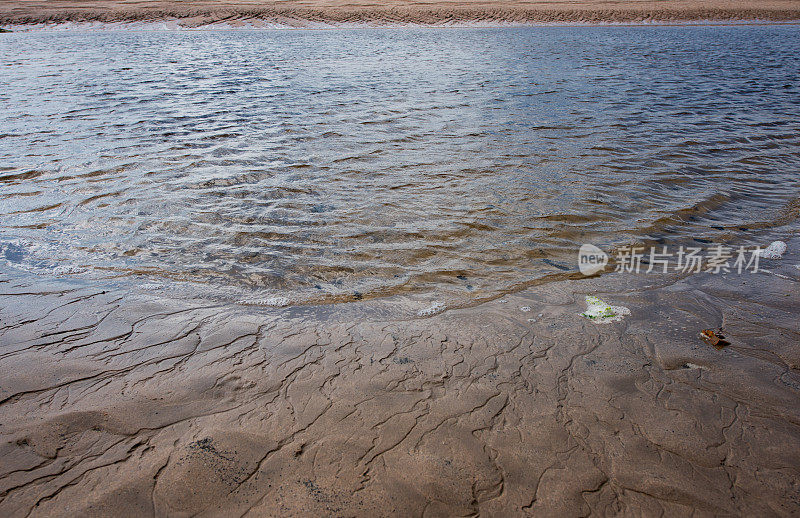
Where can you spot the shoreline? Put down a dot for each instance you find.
(175, 25)
(22, 15)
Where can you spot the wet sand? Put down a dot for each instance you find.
(132, 404)
(303, 13)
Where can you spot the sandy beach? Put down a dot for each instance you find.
(310, 13)
(114, 404)
(337, 272)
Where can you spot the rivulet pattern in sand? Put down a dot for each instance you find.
(112, 404)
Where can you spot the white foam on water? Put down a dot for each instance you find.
(66, 269)
(779, 275)
(602, 313)
(275, 302)
(34, 257)
(436, 307)
(151, 286)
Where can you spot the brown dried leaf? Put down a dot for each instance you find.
(714, 338)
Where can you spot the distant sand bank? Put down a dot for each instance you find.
(310, 13)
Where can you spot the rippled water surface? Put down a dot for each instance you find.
(347, 164)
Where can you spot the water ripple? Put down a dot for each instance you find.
(328, 166)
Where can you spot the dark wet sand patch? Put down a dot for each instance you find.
(130, 406)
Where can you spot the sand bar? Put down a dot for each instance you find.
(304, 13)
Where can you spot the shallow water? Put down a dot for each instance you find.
(329, 166)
